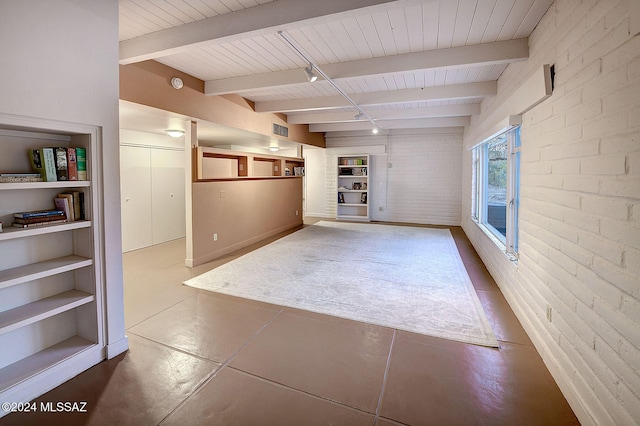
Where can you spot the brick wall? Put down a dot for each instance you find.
(421, 186)
(580, 208)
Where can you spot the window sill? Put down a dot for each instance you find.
(513, 258)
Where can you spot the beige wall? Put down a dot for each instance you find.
(148, 83)
(241, 213)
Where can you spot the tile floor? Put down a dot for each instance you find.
(198, 358)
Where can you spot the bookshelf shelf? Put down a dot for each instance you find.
(10, 233)
(37, 363)
(51, 288)
(44, 308)
(44, 185)
(34, 271)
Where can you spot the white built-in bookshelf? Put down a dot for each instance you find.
(51, 287)
(353, 187)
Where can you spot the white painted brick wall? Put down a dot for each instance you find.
(423, 184)
(580, 208)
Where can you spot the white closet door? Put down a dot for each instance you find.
(168, 198)
(135, 189)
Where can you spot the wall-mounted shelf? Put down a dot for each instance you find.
(213, 164)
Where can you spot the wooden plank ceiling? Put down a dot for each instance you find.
(406, 64)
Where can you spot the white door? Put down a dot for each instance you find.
(168, 198)
(135, 190)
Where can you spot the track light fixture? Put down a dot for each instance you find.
(311, 76)
(309, 71)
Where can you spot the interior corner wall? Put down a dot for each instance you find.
(60, 62)
(416, 180)
(579, 247)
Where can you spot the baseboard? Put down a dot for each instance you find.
(239, 245)
(115, 349)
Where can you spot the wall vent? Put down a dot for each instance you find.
(280, 130)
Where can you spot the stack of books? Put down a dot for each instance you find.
(38, 218)
(20, 177)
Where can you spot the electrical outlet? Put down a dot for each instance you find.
(548, 313)
(223, 193)
(297, 213)
(215, 237)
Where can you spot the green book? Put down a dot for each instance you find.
(81, 162)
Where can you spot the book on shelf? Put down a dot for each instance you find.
(72, 165)
(81, 161)
(62, 203)
(71, 212)
(38, 213)
(36, 224)
(20, 177)
(74, 203)
(83, 213)
(352, 162)
(39, 218)
(61, 163)
(44, 163)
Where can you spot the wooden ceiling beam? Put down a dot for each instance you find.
(461, 110)
(253, 21)
(483, 54)
(452, 91)
(420, 123)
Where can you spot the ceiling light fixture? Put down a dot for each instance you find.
(311, 66)
(175, 133)
(273, 148)
(311, 76)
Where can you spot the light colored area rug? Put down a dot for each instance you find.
(407, 278)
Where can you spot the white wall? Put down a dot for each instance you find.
(60, 62)
(415, 178)
(580, 207)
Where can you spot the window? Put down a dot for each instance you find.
(497, 187)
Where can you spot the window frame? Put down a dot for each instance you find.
(479, 206)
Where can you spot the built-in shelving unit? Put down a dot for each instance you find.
(220, 164)
(353, 187)
(51, 288)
